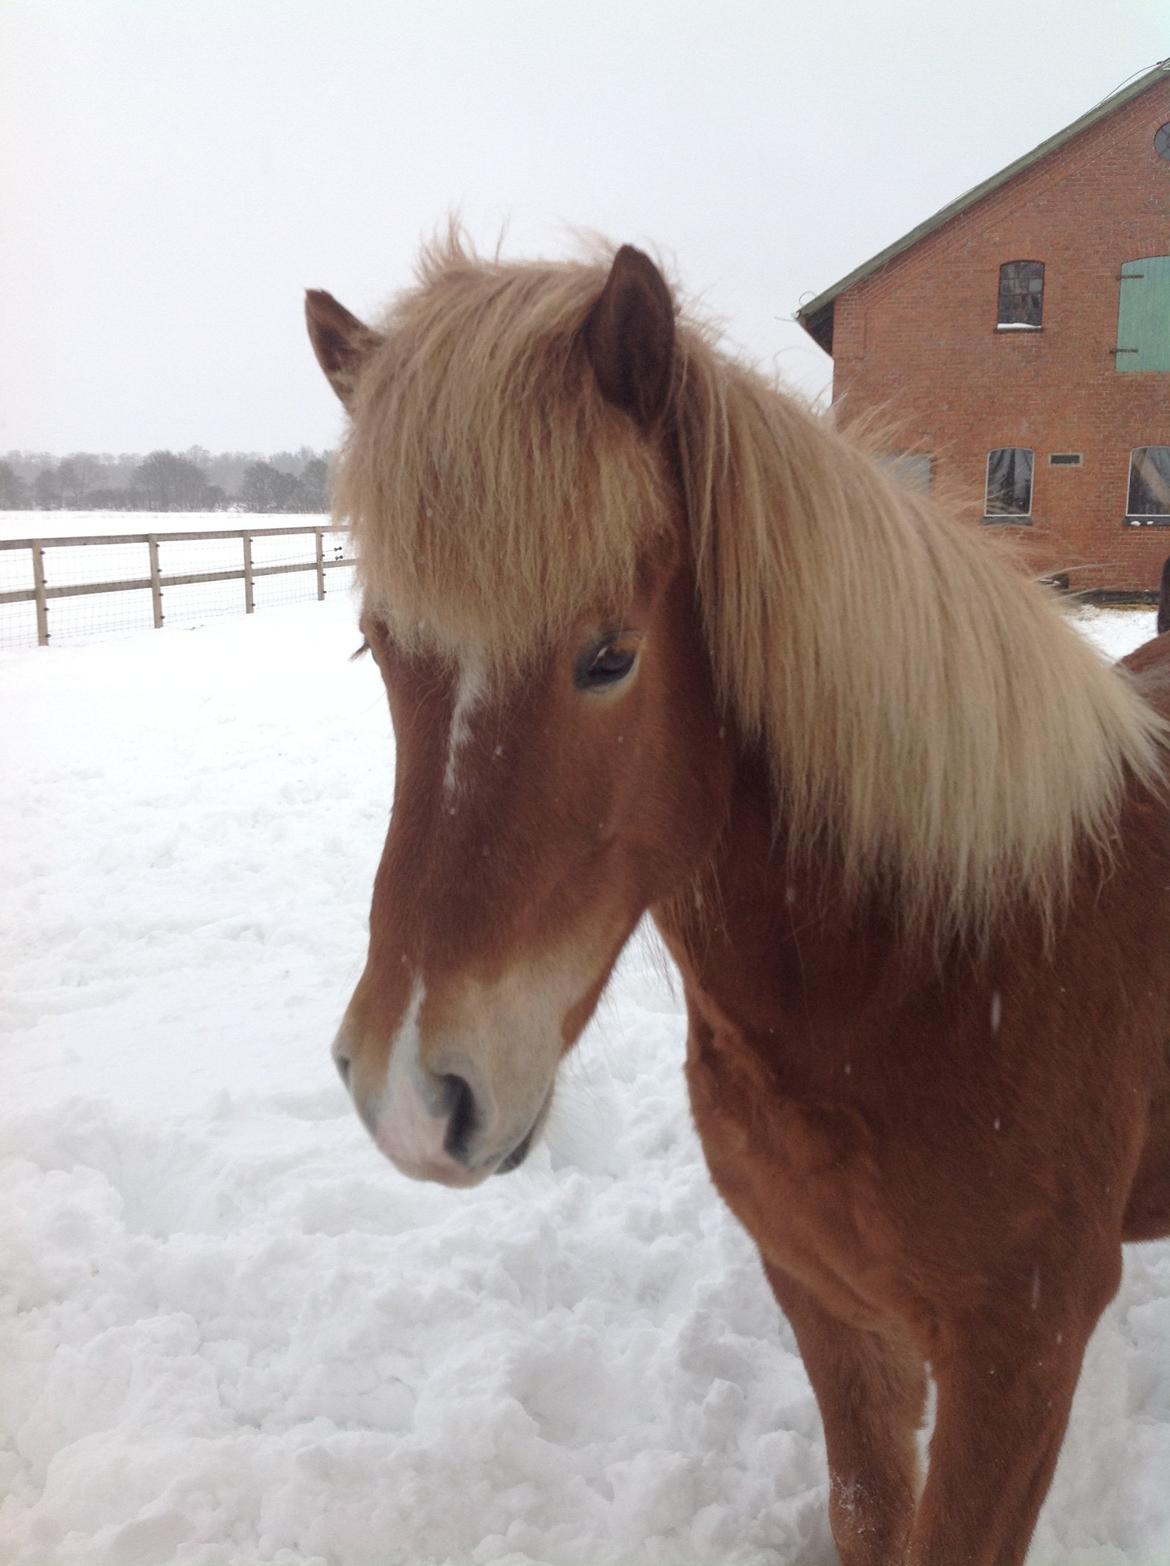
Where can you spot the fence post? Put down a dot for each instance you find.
(38, 565)
(155, 584)
(320, 563)
(248, 604)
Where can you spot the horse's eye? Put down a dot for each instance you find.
(604, 664)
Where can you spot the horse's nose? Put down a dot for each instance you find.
(427, 1121)
(462, 1117)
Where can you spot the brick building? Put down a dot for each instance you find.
(1020, 340)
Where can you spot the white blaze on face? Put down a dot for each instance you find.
(469, 688)
(504, 1039)
(406, 1130)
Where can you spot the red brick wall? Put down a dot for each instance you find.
(920, 339)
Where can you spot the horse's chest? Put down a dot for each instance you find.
(799, 1174)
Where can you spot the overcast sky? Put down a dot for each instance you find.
(174, 172)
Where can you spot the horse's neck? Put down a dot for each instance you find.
(764, 934)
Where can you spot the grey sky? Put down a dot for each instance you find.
(174, 172)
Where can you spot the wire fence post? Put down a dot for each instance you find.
(249, 604)
(155, 583)
(38, 565)
(320, 537)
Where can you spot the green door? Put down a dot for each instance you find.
(1143, 315)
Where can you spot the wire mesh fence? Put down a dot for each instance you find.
(60, 590)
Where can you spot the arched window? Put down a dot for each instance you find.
(1021, 296)
(1008, 496)
(1149, 483)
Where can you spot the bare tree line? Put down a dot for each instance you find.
(194, 480)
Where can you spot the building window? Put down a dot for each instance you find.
(1021, 296)
(913, 468)
(1143, 315)
(1149, 483)
(1009, 484)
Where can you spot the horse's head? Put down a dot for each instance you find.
(560, 763)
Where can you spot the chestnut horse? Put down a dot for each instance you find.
(657, 638)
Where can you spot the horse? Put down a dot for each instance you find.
(659, 638)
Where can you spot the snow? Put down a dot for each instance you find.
(96, 524)
(1115, 632)
(232, 1335)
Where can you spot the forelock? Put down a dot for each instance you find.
(494, 495)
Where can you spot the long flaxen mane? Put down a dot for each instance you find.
(929, 715)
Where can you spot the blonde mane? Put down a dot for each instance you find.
(929, 715)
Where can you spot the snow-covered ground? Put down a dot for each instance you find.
(94, 524)
(232, 1335)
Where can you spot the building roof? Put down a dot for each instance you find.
(817, 316)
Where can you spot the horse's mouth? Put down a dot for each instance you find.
(518, 1154)
(523, 1147)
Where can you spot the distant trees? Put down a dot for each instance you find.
(196, 480)
(315, 485)
(167, 482)
(103, 499)
(266, 488)
(14, 495)
(47, 490)
(76, 476)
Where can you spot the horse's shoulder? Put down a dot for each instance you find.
(1150, 666)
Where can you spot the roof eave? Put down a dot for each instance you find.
(821, 308)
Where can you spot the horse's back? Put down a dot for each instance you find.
(1150, 666)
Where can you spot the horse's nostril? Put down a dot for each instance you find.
(461, 1117)
(342, 1064)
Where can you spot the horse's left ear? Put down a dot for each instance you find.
(629, 337)
(341, 342)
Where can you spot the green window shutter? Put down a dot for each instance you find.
(1143, 315)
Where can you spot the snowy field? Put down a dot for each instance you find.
(93, 524)
(232, 1335)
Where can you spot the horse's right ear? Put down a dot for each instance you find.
(629, 337)
(341, 342)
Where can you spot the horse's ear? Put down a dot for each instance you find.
(340, 341)
(629, 337)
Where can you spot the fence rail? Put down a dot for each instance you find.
(45, 589)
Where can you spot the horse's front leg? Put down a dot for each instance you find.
(1005, 1379)
(870, 1390)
